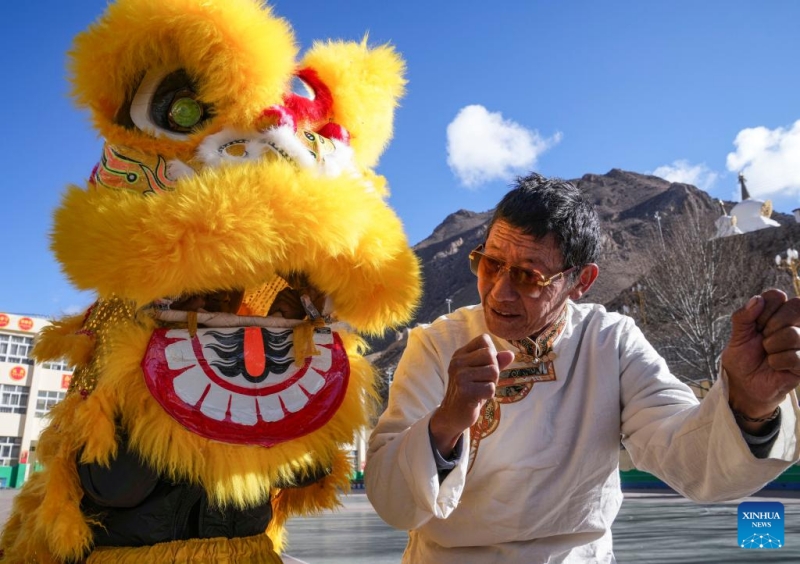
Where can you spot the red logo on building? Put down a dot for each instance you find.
(25, 323)
(4, 320)
(65, 380)
(17, 373)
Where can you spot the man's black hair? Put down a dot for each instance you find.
(539, 205)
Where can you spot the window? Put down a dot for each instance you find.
(13, 399)
(60, 365)
(45, 402)
(16, 348)
(9, 450)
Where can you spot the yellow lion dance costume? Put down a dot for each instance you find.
(238, 242)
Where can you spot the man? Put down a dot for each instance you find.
(500, 442)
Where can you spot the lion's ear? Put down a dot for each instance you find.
(366, 91)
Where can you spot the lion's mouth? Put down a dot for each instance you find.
(241, 382)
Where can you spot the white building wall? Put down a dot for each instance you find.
(41, 385)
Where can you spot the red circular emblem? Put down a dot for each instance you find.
(17, 373)
(4, 320)
(25, 323)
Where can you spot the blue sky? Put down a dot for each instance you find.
(691, 91)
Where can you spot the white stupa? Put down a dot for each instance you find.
(746, 216)
(726, 224)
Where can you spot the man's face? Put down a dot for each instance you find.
(511, 313)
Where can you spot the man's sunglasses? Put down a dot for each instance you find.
(528, 281)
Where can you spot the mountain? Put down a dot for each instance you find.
(632, 209)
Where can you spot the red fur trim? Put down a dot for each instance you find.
(335, 131)
(275, 116)
(311, 114)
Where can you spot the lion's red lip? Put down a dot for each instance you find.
(207, 383)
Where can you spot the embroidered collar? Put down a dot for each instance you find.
(533, 363)
(536, 351)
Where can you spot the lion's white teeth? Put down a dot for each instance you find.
(311, 382)
(293, 398)
(270, 408)
(215, 404)
(191, 385)
(243, 409)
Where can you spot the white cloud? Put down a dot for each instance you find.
(769, 159)
(682, 171)
(482, 146)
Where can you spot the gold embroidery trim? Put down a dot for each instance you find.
(515, 384)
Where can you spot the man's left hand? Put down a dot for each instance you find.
(762, 358)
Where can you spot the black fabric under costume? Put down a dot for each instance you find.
(137, 507)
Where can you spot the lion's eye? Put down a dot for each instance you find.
(185, 111)
(166, 104)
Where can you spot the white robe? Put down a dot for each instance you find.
(545, 485)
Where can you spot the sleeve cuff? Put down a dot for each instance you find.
(760, 445)
(445, 465)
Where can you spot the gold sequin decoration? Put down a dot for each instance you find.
(103, 315)
(259, 300)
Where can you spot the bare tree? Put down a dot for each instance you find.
(693, 286)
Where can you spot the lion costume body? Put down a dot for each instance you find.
(235, 189)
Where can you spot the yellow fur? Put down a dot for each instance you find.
(63, 340)
(248, 550)
(324, 495)
(152, 242)
(233, 226)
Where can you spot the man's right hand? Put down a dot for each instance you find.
(472, 378)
